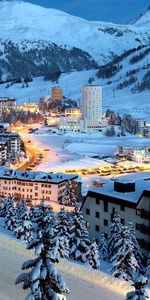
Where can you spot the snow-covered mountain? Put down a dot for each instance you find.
(24, 21)
(36, 41)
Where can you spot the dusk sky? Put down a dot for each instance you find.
(119, 11)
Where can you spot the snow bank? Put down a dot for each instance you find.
(82, 272)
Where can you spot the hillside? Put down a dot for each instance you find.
(37, 42)
(30, 35)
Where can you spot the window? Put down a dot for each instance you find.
(97, 228)
(138, 212)
(36, 194)
(97, 201)
(122, 207)
(97, 214)
(105, 206)
(87, 211)
(87, 224)
(105, 222)
(138, 226)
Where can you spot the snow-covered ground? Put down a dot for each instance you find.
(84, 283)
(76, 153)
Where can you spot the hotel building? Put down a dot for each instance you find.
(132, 201)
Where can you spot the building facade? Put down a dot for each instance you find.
(7, 103)
(92, 103)
(136, 154)
(130, 199)
(35, 186)
(56, 94)
(90, 120)
(10, 146)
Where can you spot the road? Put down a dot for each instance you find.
(10, 268)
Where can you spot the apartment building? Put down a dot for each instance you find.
(132, 201)
(34, 186)
(90, 119)
(7, 103)
(4, 127)
(140, 154)
(3, 152)
(13, 141)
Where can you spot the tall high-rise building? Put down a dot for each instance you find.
(92, 102)
(91, 119)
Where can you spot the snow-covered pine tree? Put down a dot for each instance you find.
(21, 207)
(124, 263)
(140, 293)
(11, 218)
(148, 266)
(43, 279)
(103, 247)
(114, 231)
(93, 258)
(136, 249)
(8, 202)
(70, 197)
(79, 238)
(63, 233)
(24, 227)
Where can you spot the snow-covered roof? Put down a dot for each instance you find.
(5, 125)
(141, 186)
(35, 176)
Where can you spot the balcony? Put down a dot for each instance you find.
(145, 214)
(145, 229)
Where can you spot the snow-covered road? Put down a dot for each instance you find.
(10, 267)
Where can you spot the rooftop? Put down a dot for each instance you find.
(107, 190)
(35, 176)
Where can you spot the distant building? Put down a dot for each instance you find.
(7, 103)
(92, 103)
(10, 146)
(138, 154)
(91, 119)
(3, 152)
(130, 199)
(35, 186)
(73, 112)
(56, 94)
(4, 127)
(31, 107)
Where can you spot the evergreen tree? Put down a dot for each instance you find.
(93, 258)
(70, 197)
(79, 238)
(140, 293)
(148, 267)
(103, 247)
(63, 234)
(8, 202)
(136, 249)
(114, 232)
(43, 279)
(24, 227)
(124, 262)
(11, 218)
(21, 207)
